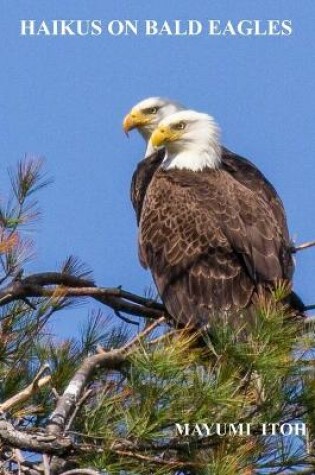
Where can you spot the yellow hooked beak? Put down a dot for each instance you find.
(162, 135)
(134, 119)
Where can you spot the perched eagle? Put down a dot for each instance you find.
(212, 241)
(145, 117)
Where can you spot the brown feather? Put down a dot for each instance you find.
(141, 179)
(211, 241)
(240, 168)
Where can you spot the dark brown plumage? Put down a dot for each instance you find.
(240, 168)
(141, 179)
(212, 238)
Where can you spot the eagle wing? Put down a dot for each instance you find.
(246, 173)
(141, 179)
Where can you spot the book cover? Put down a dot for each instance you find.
(98, 387)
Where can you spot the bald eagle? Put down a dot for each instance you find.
(145, 117)
(211, 241)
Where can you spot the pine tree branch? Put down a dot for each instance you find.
(52, 442)
(153, 446)
(56, 278)
(61, 446)
(33, 442)
(113, 359)
(26, 393)
(54, 284)
(174, 464)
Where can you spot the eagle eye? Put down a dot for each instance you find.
(151, 110)
(180, 126)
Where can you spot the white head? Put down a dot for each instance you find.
(146, 115)
(191, 139)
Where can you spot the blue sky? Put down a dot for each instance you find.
(64, 99)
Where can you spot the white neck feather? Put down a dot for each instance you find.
(192, 160)
(146, 133)
(149, 150)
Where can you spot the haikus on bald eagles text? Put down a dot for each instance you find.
(156, 28)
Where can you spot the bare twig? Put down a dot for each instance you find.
(19, 459)
(144, 333)
(309, 307)
(77, 408)
(26, 393)
(303, 246)
(125, 319)
(162, 338)
(46, 464)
